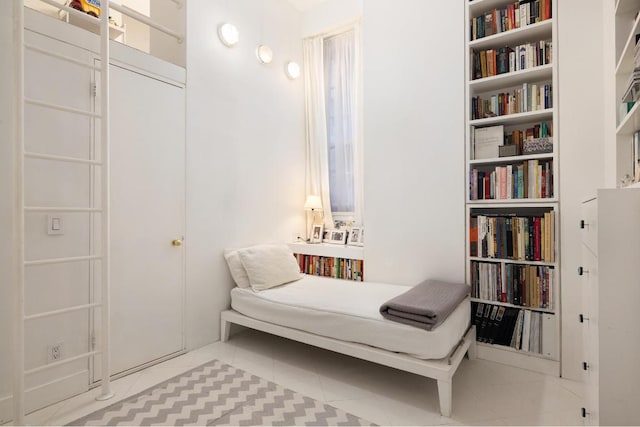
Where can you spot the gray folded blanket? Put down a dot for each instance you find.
(426, 305)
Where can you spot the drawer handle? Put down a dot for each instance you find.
(583, 224)
(582, 318)
(585, 366)
(584, 412)
(582, 271)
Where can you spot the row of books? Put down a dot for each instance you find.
(523, 285)
(539, 130)
(532, 179)
(632, 92)
(531, 97)
(515, 15)
(508, 326)
(492, 62)
(339, 268)
(525, 238)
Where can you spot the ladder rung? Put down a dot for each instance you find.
(63, 57)
(62, 260)
(67, 159)
(59, 209)
(62, 311)
(61, 108)
(61, 362)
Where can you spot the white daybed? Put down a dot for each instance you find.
(343, 316)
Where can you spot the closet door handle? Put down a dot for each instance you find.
(582, 318)
(582, 271)
(583, 412)
(585, 366)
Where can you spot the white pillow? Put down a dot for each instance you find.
(269, 265)
(236, 268)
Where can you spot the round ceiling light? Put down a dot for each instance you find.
(229, 35)
(264, 54)
(292, 70)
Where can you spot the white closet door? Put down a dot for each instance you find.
(148, 208)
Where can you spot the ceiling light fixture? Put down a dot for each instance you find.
(229, 35)
(264, 54)
(292, 70)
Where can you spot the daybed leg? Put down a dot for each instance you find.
(472, 352)
(444, 393)
(225, 328)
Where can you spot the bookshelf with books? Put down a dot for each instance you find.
(330, 260)
(512, 181)
(625, 68)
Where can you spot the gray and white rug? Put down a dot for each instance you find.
(219, 394)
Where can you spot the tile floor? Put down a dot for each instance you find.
(484, 393)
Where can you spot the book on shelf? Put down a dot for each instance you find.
(512, 237)
(523, 285)
(529, 97)
(531, 179)
(486, 141)
(514, 15)
(339, 268)
(519, 329)
(492, 62)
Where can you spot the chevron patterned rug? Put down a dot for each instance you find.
(219, 394)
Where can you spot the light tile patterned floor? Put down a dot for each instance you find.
(484, 393)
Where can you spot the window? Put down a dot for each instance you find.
(340, 109)
(334, 166)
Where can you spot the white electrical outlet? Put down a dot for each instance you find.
(54, 352)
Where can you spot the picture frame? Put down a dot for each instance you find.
(326, 235)
(356, 236)
(338, 237)
(316, 233)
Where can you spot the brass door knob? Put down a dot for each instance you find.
(176, 242)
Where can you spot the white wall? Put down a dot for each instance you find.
(329, 15)
(6, 189)
(245, 146)
(414, 140)
(580, 139)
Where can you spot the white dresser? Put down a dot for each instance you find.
(610, 277)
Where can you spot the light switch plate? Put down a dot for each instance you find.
(55, 225)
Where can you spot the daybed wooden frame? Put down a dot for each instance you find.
(441, 370)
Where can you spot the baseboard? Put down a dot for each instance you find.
(519, 360)
(47, 394)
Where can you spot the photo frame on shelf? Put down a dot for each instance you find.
(356, 236)
(338, 237)
(326, 235)
(316, 233)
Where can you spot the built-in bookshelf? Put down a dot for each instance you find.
(512, 181)
(626, 76)
(329, 260)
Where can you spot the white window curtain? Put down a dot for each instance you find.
(334, 166)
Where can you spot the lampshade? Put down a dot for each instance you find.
(292, 70)
(313, 203)
(229, 35)
(264, 54)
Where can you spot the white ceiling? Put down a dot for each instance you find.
(303, 5)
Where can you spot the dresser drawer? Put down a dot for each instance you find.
(588, 225)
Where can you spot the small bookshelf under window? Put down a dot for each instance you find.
(329, 260)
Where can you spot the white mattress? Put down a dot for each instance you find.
(348, 311)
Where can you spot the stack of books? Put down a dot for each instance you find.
(632, 93)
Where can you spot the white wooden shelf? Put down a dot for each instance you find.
(630, 123)
(506, 348)
(512, 261)
(328, 250)
(512, 202)
(94, 26)
(506, 304)
(511, 159)
(515, 119)
(625, 63)
(486, 84)
(539, 31)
